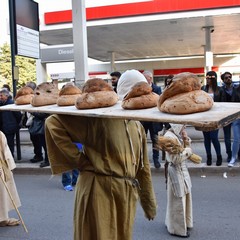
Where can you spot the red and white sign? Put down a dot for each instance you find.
(139, 8)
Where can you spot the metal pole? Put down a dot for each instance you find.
(13, 53)
(80, 45)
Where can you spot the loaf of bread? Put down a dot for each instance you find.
(140, 97)
(181, 83)
(95, 85)
(189, 102)
(96, 94)
(45, 94)
(139, 89)
(97, 99)
(184, 96)
(141, 102)
(24, 96)
(68, 95)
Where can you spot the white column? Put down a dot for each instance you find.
(80, 41)
(113, 66)
(208, 54)
(41, 71)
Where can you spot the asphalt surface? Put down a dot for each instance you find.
(47, 209)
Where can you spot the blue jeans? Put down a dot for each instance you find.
(236, 138)
(212, 137)
(68, 180)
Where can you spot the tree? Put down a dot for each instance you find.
(27, 68)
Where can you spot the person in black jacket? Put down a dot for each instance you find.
(216, 93)
(235, 129)
(9, 120)
(228, 88)
(114, 78)
(153, 127)
(39, 134)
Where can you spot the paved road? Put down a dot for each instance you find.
(47, 209)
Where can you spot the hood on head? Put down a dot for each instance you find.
(127, 80)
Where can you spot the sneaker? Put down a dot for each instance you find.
(228, 159)
(231, 163)
(68, 188)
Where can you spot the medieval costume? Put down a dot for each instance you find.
(179, 198)
(7, 164)
(114, 171)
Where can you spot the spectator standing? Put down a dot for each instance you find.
(227, 87)
(216, 93)
(69, 179)
(168, 80)
(114, 78)
(6, 86)
(37, 129)
(236, 129)
(35, 139)
(9, 120)
(153, 127)
(7, 164)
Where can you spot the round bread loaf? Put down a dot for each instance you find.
(96, 99)
(24, 96)
(68, 95)
(70, 90)
(96, 84)
(67, 100)
(181, 83)
(24, 91)
(24, 99)
(188, 102)
(141, 102)
(45, 94)
(139, 89)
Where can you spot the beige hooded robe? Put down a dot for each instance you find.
(179, 198)
(7, 164)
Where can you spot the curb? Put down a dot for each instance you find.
(201, 171)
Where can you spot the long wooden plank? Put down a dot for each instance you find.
(220, 115)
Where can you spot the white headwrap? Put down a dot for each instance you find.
(127, 80)
(177, 128)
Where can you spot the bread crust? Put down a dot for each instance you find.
(96, 84)
(141, 102)
(181, 83)
(67, 100)
(24, 91)
(141, 88)
(24, 99)
(70, 90)
(24, 96)
(45, 94)
(188, 102)
(97, 99)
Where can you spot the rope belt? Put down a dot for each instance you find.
(134, 181)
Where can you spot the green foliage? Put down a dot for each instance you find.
(27, 68)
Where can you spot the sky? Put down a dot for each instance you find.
(4, 37)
